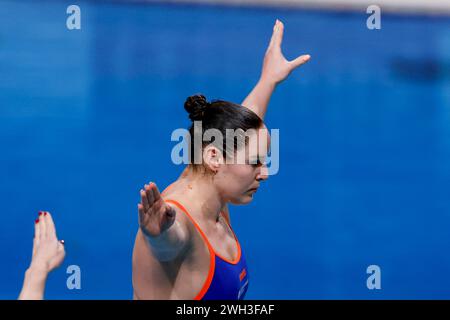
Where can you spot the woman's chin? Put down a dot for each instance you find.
(245, 199)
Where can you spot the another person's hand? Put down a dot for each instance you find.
(275, 66)
(155, 215)
(48, 251)
(48, 254)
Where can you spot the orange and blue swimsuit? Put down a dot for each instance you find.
(227, 280)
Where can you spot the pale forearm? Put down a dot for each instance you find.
(170, 243)
(33, 284)
(258, 99)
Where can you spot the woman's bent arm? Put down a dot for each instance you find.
(166, 235)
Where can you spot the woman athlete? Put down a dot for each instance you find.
(185, 247)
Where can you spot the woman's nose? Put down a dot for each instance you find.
(263, 174)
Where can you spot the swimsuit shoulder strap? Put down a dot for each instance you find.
(212, 259)
(182, 208)
(210, 247)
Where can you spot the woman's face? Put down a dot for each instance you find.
(238, 182)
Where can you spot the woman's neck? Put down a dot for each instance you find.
(203, 195)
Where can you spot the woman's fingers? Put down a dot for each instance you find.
(36, 236)
(42, 225)
(149, 195)
(50, 226)
(141, 213)
(37, 229)
(272, 39)
(156, 194)
(299, 61)
(144, 201)
(279, 34)
(149, 192)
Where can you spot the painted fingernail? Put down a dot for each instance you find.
(45, 213)
(36, 221)
(40, 213)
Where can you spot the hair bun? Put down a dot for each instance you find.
(196, 105)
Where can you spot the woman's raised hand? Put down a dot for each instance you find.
(275, 66)
(48, 254)
(155, 215)
(48, 251)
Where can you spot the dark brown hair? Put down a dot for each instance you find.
(220, 115)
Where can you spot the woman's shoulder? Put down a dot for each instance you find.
(172, 191)
(174, 196)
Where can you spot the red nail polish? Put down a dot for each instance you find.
(40, 213)
(45, 213)
(36, 221)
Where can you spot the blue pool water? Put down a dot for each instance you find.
(86, 117)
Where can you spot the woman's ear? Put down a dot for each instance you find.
(212, 158)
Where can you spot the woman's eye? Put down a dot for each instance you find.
(257, 164)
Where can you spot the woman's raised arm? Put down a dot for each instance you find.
(275, 69)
